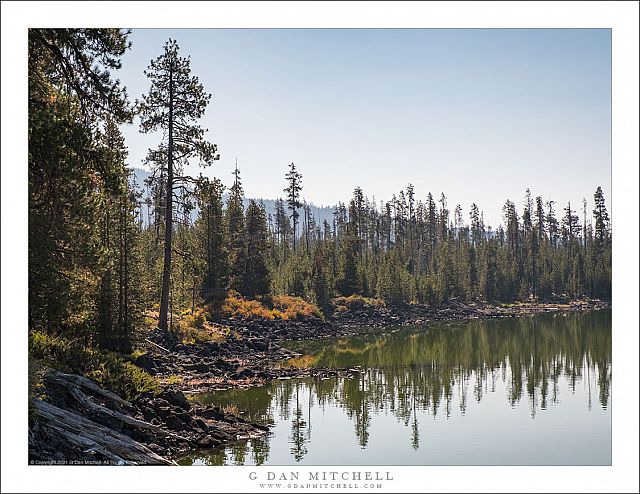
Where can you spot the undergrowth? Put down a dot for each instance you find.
(356, 302)
(277, 307)
(112, 371)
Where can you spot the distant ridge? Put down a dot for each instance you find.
(320, 213)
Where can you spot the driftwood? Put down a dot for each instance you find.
(73, 383)
(90, 436)
(157, 346)
(85, 422)
(83, 382)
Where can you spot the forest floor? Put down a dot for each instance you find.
(80, 422)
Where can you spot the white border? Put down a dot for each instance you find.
(622, 17)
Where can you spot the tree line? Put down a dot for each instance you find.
(95, 266)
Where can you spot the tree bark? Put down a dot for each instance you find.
(166, 272)
(90, 436)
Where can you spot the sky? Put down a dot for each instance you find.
(479, 114)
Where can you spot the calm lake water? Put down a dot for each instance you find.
(526, 391)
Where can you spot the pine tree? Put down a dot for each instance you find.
(118, 301)
(175, 101)
(476, 230)
(236, 234)
(71, 175)
(210, 232)
(552, 224)
(570, 227)
(602, 247)
(349, 283)
(282, 226)
(256, 279)
(602, 218)
(319, 276)
(293, 197)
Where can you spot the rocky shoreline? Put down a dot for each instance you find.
(81, 422)
(252, 355)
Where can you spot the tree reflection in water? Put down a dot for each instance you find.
(419, 370)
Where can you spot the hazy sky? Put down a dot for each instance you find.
(477, 114)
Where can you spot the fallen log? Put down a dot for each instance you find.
(83, 382)
(89, 436)
(72, 382)
(156, 345)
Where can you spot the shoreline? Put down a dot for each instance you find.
(252, 354)
(156, 429)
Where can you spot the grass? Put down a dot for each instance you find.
(302, 362)
(283, 307)
(173, 379)
(231, 409)
(112, 371)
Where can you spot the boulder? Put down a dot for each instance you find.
(174, 423)
(145, 361)
(176, 398)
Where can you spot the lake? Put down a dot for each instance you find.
(533, 390)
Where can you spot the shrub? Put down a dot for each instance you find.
(123, 378)
(356, 302)
(302, 362)
(190, 335)
(295, 308)
(231, 409)
(194, 328)
(199, 318)
(238, 307)
(114, 372)
(278, 307)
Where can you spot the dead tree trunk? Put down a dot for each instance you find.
(92, 437)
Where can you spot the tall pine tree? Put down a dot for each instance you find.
(175, 101)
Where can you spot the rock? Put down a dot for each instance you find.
(243, 372)
(148, 413)
(176, 398)
(199, 423)
(223, 365)
(183, 416)
(213, 413)
(155, 448)
(202, 367)
(159, 402)
(174, 423)
(145, 361)
(261, 345)
(208, 442)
